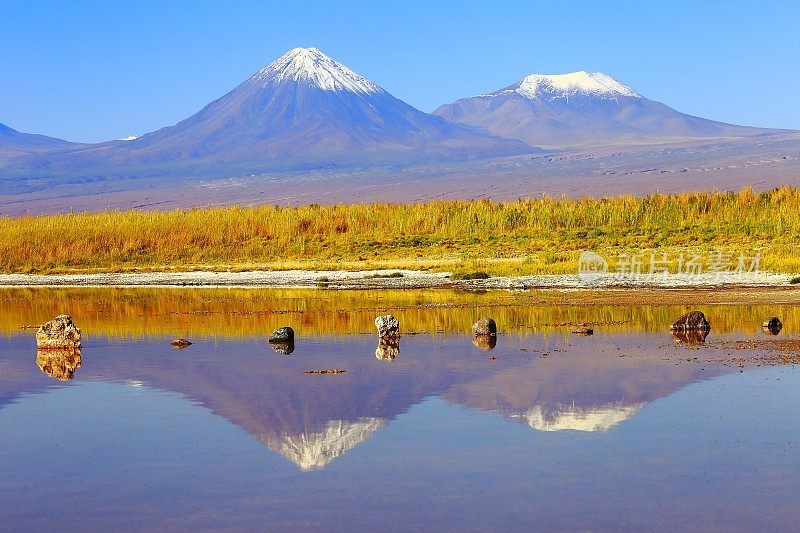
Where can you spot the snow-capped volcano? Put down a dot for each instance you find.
(312, 66)
(304, 110)
(576, 83)
(581, 108)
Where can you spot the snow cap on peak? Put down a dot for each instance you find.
(581, 82)
(312, 66)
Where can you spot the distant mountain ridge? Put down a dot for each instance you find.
(12, 140)
(581, 108)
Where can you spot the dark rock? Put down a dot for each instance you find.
(59, 363)
(388, 326)
(180, 344)
(484, 326)
(693, 320)
(284, 334)
(690, 336)
(283, 348)
(485, 342)
(773, 326)
(388, 348)
(59, 333)
(584, 332)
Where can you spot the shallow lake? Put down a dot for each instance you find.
(629, 428)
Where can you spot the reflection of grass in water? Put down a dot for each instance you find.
(543, 235)
(257, 312)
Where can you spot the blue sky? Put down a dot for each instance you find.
(92, 71)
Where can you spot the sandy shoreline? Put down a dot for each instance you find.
(379, 279)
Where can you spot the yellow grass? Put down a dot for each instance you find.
(543, 235)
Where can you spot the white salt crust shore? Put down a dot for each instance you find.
(410, 280)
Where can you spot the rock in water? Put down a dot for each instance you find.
(388, 326)
(283, 348)
(388, 348)
(773, 323)
(693, 320)
(59, 363)
(59, 333)
(583, 331)
(484, 326)
(179, 344)
(485, 342)
(284, 334)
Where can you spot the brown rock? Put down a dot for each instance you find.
(693, 320)
(59, 333)
(180, 344)
(484, 326)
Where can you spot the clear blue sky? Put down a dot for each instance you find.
(91, 71)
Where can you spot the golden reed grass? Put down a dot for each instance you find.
(543, 235)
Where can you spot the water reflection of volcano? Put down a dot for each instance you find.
(315, 450)
(313, 419)
(597, 418)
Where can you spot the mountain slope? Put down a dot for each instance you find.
(581, 108)
(303, 110)
(14, 142)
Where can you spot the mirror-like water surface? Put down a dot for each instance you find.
(623, 429)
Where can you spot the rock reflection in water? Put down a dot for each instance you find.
(283, 348)
(60, 363)
(485, 342)
(388, 348)
(690, 336)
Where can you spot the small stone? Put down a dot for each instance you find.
(584, 332)
(484, 326)
(180, 344)
(388, 326)
(693, 320)
(58, 333)
(284, 334)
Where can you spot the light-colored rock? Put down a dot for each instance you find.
(58, 333)
(388, 326)
(484, 326)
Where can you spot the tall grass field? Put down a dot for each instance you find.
(543, 235)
